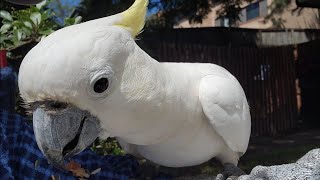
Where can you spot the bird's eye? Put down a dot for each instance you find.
(101, 85)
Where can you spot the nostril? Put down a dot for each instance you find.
(58, 105)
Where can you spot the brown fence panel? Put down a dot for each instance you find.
(266, 74)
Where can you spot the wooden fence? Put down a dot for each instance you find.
(266, 74)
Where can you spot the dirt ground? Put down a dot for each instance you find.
(264, 151)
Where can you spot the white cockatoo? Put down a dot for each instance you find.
(92, 80)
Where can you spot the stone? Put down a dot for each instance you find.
(306, 168)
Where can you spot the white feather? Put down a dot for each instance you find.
(174, 114)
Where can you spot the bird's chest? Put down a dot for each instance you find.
(149, 126)
(150, 121)
(192, 145)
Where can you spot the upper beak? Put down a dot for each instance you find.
(63, 133)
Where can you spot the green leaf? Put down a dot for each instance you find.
(72, 21)
(18, 34)
(36, 18)
(3, 38)
(77, 20)
(41, 5)
(27, 24)
(5, 28)
(33, 9)
(6, 15)
(6, 21)
(46, 32)
(46, 15)
(17, 24)
(27, 31)
(69, 21)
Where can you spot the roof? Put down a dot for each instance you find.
(222, 36)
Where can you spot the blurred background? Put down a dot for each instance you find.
(271, 46)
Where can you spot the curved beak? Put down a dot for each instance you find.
(61, 134)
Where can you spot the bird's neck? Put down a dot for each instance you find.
(143, 78)
(143, 94)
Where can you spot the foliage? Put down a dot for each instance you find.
(231, 10)
(107, 147)
(156, 22)
(277, 7)
(170, 12)
(63, 9)
(175, 10)
(93, 9)
(29, 25)
(195, 11)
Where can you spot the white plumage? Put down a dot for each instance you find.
(174, 114)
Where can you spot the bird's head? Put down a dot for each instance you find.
(71, 76)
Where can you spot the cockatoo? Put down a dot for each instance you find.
(92, 80)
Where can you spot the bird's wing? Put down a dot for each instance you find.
(225, 105)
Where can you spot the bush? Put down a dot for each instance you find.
(20, 27)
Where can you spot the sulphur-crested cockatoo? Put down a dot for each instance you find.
(92, 80)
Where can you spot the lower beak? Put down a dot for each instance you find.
(64, 133)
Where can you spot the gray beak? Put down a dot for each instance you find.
(63, 133)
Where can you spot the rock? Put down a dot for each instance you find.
(307, 168)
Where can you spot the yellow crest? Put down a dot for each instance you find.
(133, 18)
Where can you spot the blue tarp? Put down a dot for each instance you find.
(8, 85)
(20, 157)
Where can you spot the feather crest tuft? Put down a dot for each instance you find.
(133, 19)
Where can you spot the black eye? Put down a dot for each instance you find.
(101, 85)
